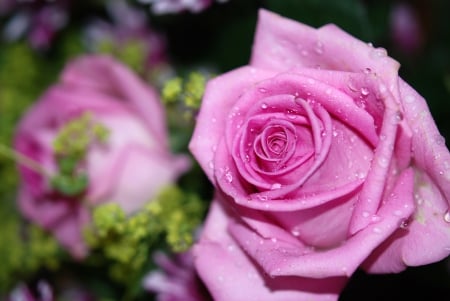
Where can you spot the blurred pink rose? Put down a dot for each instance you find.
(406, 30)
(324, 160)
(161, 7)
(129, 168)
(177, 280)
(23, 293)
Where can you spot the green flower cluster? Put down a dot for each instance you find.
(127, 241)
(131, 52)
(70, 149)
(187, 91)
(24, 250)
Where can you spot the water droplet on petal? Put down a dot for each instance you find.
(295, 232)
(404, 224)
(440, 140)
(383, 162)
(398, 117)
(447, 216)
(263, 106)
(318, 47)
(304, 52)
(211, 164)
(409, 99)
(262, 90)
(375, 218)
(398, 213)
(365, 214)
(376, 230)
(365, 91)
(275, 186)
(378, 53)
(229, 177)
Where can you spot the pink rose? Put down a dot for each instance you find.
(324, 160)
(176, 280)
(128, 168)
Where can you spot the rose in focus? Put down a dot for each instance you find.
(97, 136)
(324, 160)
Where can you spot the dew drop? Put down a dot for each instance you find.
(305, 52)
(275, 186)
(440, 140)
(398, 117)
(213, 120)
(295, 232)
(378, 53)
(376, 230)
(364, 91)
(211, 164)
(274, 240)
(262, 90)
(447, 216)
(375, 218)
(318, 47)
(365, 214)
(383, 162)
(409, 99)
(229, 177)
(398, 213)
(263, 106)
(335, 133)
(404, 224)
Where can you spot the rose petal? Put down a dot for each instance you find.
(107, 76)
(136, 176)
(425, 238)
(282, 44)
(220, 95)
(280, 258)
(231, 276)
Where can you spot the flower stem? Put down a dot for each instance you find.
(24, 160)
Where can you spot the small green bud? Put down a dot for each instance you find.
(70, 185)
(67, 165)
(172, 90)
(194, 89)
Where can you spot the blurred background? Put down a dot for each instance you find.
(160, 41)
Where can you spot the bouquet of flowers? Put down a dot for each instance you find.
(224, 150)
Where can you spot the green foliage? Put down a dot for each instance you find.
(70, 148)
(24, 250)
(132, 52)
(188, 92)
(126, 241)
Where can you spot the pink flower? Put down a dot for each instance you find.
(161, 7)
(406, 30)
(177, 280)
(128, 168)
(23, 293)
(128, 25)
(324, 160)
(39, 20)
